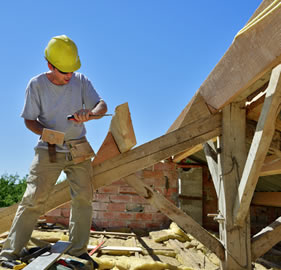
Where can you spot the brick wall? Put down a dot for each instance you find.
(119, 206)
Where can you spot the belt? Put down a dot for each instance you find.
(71, 143)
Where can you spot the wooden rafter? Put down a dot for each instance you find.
(267, 199)
(255, 50)
(266, 239)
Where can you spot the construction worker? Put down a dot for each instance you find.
(50, 97)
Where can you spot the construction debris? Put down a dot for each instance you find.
(170, 249)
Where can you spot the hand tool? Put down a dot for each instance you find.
(96, 248)
(70, 263)
(71, 116)
(35, 252)
(14, 264)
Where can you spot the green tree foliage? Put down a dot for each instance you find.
(12, 188)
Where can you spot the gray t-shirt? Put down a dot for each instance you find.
(50, 104)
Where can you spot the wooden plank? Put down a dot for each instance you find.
(187, 153)
(250, 132)
(231, 161)
(265, 4)
(156, 150)
(255, 51)
(211, 156)
(267, 199)
(271, 166)
(121, 128)
(266, 239)
(108, 150)
(254, 110)
(116, 248)
(178, 216)
(47, 259)
(259, 147)
(113, 233)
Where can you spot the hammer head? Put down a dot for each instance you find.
(53, 136)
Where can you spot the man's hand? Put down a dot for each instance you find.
(85, 115)
(82, 116)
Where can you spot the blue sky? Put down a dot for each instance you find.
(153, 54)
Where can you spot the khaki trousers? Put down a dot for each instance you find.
(43, 176)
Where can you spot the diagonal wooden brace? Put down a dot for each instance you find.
(259, 147)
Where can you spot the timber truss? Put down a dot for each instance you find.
(234, 118)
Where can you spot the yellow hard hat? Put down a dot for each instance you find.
(62, 53)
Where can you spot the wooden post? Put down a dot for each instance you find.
(231, 160)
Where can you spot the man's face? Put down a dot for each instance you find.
(61, 78)
(58, 77)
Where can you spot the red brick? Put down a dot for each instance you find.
(150, 209)
(55, 213)
(127, 190)
(120, 207)
(155, 225)
(109, 189)
(144, 216)
(100, 206)
(65, 212)
(107, 215)
(139, 199)
(166, 166)
(170, 191)
(50, 219)
(117, 224)
(119, 182)
(102, 197)
(120, 198)
(136, 225)
(125, 215)
(160, 182)
(63, 221)
(102, 224)
(153, 174)
(159, 217)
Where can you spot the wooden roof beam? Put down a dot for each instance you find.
(250, 58)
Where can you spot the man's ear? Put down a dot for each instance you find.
(50, 66)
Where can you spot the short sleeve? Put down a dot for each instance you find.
(31, 108)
